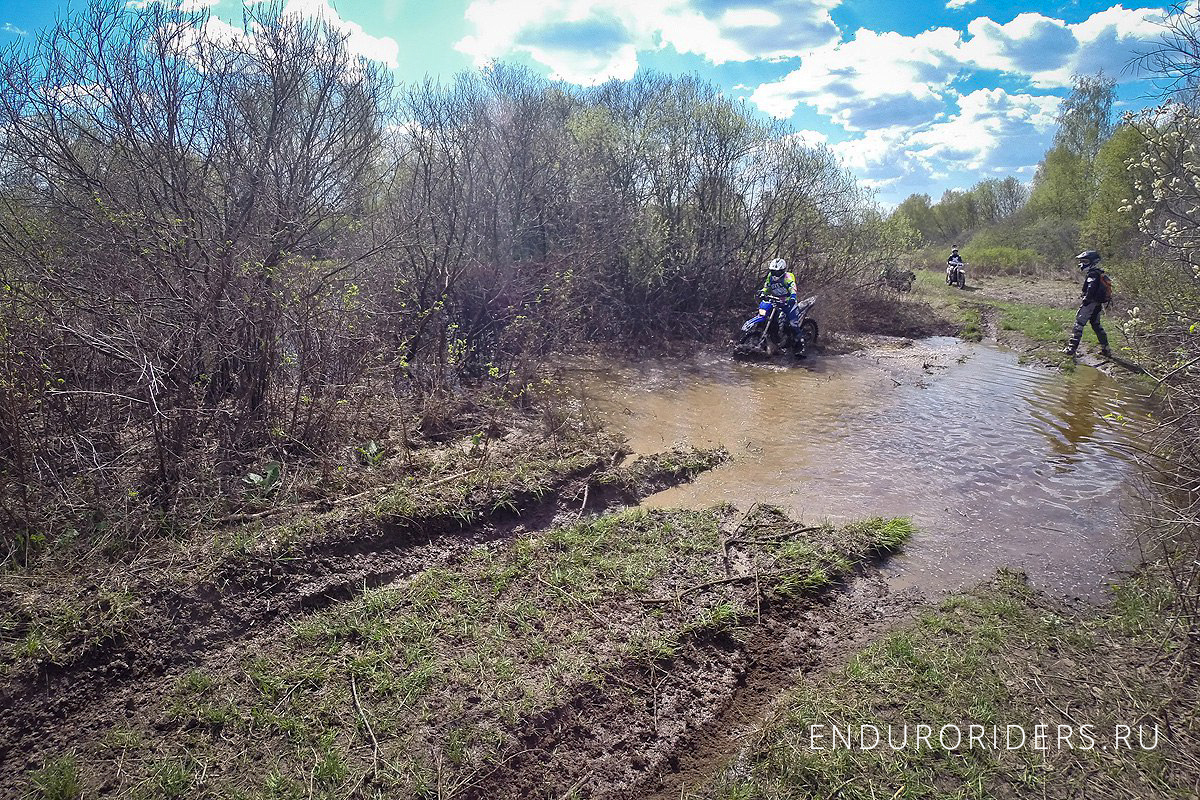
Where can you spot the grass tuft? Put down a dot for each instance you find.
(58, 779)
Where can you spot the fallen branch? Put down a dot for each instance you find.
(362, 715)
(235, 519)
(755, 576)
(769, 538)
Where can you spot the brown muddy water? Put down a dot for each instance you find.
(999, 464)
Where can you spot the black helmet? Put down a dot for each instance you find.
(1088, 259)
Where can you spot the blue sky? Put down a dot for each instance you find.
(915, 96)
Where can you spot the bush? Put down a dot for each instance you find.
(1003, 260)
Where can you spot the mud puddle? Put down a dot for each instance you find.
(998, 463)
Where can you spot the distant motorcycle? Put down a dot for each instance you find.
(956, 275)
(768, 332)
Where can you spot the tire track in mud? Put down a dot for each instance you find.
(62, 705)
(653, 730)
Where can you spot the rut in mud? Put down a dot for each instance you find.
(617, 644)
(653, 730)
(51, 707)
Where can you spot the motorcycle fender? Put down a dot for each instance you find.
(752, 323)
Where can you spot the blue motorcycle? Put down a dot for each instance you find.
(769, 332)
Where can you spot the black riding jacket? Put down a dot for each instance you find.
(1092, 290)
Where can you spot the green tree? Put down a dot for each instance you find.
(1110, 222)
(1060, 186)
(1065, 182)
(918, 213)
(1085, 116)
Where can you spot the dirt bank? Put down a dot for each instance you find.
(596, 656)
(193, 612)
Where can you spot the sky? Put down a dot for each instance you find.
(918, 96)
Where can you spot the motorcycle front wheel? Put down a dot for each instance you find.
(751, 338)
(962, 281)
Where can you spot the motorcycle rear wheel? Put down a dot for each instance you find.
(809, 329)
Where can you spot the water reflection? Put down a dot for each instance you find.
(999, 463)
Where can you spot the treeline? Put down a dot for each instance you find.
(1080, 197)
(219, 246)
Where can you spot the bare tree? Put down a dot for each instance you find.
(179, 226)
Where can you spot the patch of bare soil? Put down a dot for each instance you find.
(52, 707)
(1030, 291)
(897, 317)
(1114, 686)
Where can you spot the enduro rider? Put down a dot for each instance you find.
(1092, 297)
(954, 262)
(781, 283)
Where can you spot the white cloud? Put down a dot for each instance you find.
(188, 36)
(1050, 51)
(902, 95)
(375, 48)
(811, 138)
(993, 134)
(993, 131)
(588, 41)
(358, 41)
(10, 28)
(747, 30)
(955, 4)
(875, 80)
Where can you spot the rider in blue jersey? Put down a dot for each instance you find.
(781, 283)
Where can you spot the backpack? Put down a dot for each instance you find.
(1106, 288)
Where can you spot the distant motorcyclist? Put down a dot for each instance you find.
(1093, 295)
(781, 284)
(953, 264)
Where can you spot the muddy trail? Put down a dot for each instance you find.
(641, 724)
(656, 729)
(51, 707)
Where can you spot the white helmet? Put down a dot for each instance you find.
(777, 265)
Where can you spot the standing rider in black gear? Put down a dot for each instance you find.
(1092, 296)
(953, 265)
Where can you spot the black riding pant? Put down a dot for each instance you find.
(1089, 313)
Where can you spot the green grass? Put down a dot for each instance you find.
(972, 325)
(58, 779)
(423, 683)
(997, 656)
(1039, 323)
